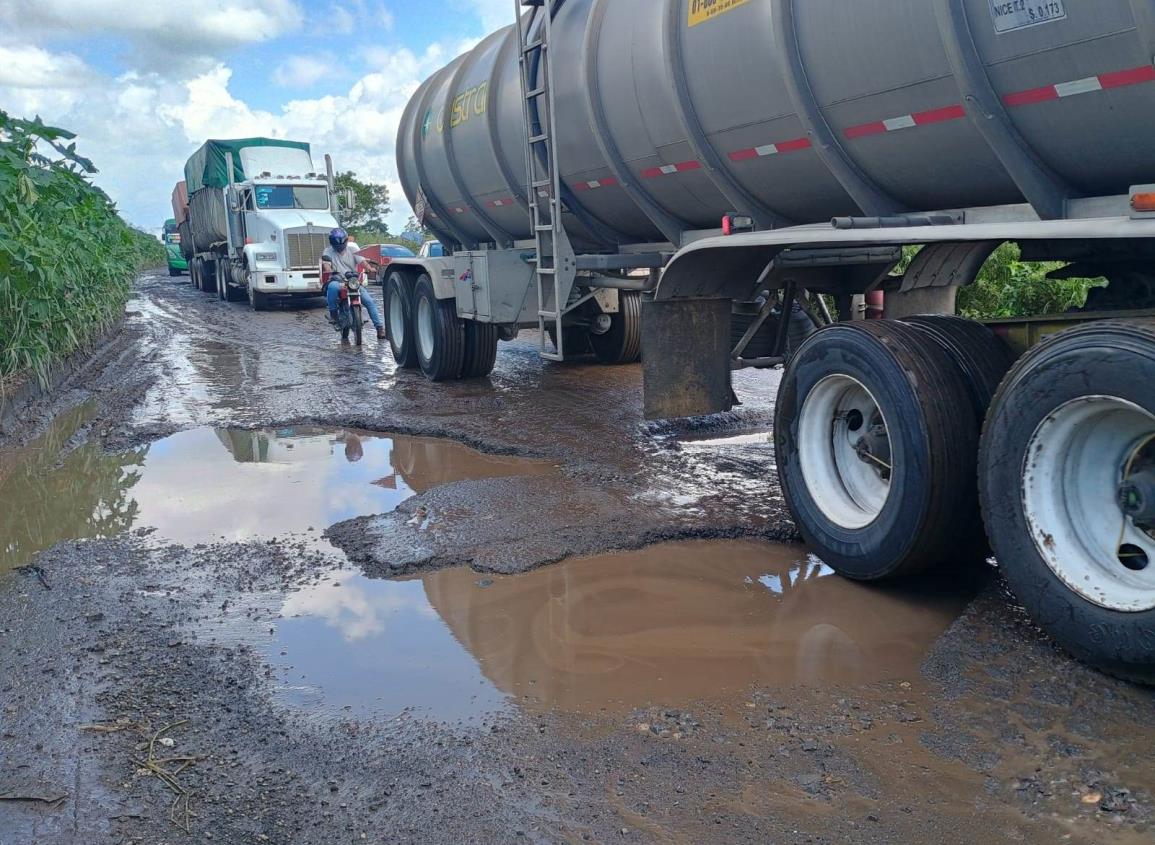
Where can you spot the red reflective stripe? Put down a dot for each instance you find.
(955, 112)
(651, 172)
(1034, 95)
(865, 129)
(1121, 78)
(743, 155)
(688, 165)
(792, 146)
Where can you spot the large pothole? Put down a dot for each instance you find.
(670, 625)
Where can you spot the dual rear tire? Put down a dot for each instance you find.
(878, 459)
(1067, 482)
(876, 462)
(425, 333)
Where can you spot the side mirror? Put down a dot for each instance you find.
(348, 199)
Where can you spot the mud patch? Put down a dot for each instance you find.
(671, 625)
(207, 485)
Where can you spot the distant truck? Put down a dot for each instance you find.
(171, 238)
(259, 216)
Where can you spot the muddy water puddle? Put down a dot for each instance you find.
(670, 625)
(207, 485)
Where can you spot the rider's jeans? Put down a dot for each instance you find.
(332, 296)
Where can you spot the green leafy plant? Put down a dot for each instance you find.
(1009, 287)
(67, 259)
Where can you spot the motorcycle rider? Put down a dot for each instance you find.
(338, 260)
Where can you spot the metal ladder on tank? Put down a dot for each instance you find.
(556, 268)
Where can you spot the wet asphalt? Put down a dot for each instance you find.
(182, 660)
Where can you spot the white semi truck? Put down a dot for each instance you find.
(259, 218)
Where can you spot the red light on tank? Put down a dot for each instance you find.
(732, 224)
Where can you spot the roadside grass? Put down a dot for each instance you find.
(67, 260)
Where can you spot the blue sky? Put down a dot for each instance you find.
(143, 84)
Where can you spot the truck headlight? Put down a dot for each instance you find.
(266, 256)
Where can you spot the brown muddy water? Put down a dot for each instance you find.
(670, 625)
(208, 485)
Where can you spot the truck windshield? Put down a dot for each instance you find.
(315, 198)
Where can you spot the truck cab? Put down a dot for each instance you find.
(259, 214)
(280, 228)
(171, 240)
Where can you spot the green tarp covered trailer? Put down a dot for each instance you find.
(208, 167)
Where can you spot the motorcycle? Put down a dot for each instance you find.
(350, 317)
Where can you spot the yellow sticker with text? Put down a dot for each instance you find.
(706, 10)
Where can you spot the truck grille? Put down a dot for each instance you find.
(305, 249)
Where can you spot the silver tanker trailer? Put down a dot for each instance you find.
(721, 166)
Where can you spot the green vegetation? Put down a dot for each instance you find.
(1008, 287)
(414, 227)
(46, 498)
(367, 217)
(67, 259)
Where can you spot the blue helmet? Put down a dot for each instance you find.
(339, 239)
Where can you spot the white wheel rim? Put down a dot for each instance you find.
(849, 488)
(1075, 462)
(425, 327)
(396, 317)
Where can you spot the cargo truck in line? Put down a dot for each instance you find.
(173, 257)
(699, 182)
(256, 218)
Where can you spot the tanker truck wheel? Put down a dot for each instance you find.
(480, 349)
(1067, 481)
(440, 333)
(194, 273)
(621, 342)
(982, 355)
(399, 321)
(575, 338)
(876, 452)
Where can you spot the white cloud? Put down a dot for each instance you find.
(141, 126)
(160, 38)
(211, 21)
(493, 14)
(32, 67)
(301, 72)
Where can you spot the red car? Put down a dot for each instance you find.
(382, 254)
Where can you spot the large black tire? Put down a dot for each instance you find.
(982, 356)
(194, 273)
(480, 349)
(257, 301)
(1048, 484)
(208, 276)
(576, 340)
(445, 357)
(225, 291)
(399, 321)
(622, 344)
(173, 272)
(916, 516)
